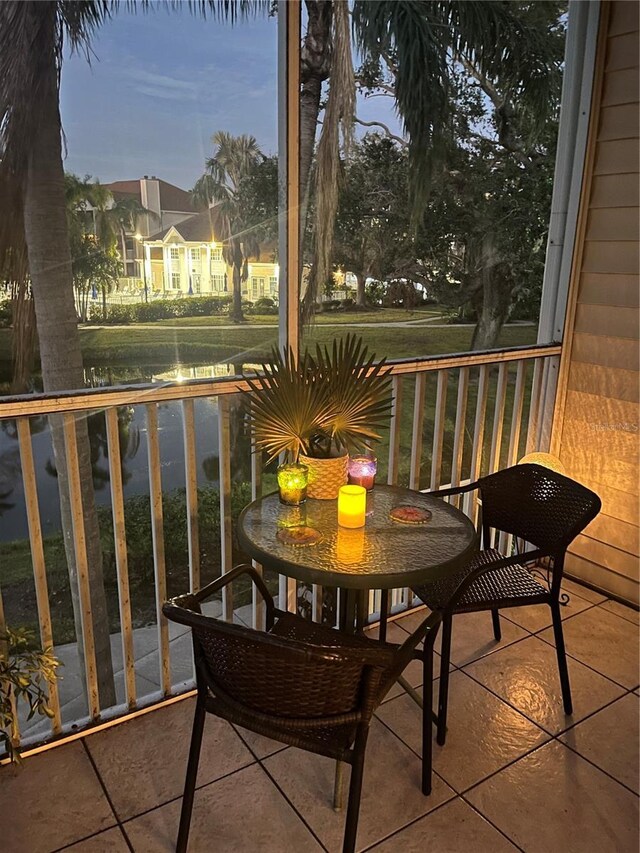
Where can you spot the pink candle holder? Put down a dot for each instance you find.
(362, 470)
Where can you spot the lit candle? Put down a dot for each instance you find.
(350, 546)
(292, 483)
(362, 470)
(352, 506)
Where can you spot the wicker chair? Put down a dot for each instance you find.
(298, 682)
(539, 507)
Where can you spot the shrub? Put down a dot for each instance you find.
(164, 309)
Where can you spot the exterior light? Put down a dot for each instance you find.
(138, 236)
(547, 460)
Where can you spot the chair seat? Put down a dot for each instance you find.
(511, 584)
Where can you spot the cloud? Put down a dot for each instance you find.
(162, 86)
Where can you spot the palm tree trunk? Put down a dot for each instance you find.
(236, 314)
(47, 240)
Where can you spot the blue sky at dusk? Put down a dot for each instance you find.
(161, 83)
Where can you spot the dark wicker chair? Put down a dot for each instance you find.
(540, 508)
(298, 682)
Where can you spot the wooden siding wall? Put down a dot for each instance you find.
(596, 425)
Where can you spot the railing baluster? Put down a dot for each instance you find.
(157, 535)
(257, 603)
(470, 502)
(82, 568)
(540, 369)
(191, 484)
(516, 415)
(416, 436)
(226, 532)
(459, 429)
(498, 418)
(122, 565)
(394, 432)
(438, 428)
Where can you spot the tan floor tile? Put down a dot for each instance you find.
(554, 800)
(111, 841)
(536, 617)
(622, 610)
(472, 637)
(450, 829)
(391, 795)
(143, 762)
(574, 588)
(610, 740)
(526, 676)
(483, 733)
(243, 813)
(52, 799)
(604, 642)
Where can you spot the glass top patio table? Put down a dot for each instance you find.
(384, 554)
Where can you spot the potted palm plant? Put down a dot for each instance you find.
(25, 672)
(319, 408)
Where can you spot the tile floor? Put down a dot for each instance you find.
(515, 774)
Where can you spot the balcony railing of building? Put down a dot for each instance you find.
(454, 417)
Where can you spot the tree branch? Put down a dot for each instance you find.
(388, 133)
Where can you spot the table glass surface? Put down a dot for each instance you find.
(383, 554)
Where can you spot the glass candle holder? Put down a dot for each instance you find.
(352, 506)
(292, 483)
(362, 470)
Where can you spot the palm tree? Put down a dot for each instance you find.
(234, 159)
(35, 229)
(415, 40)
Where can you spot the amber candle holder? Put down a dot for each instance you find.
(293, 479)
(352, 506)
(362, 470)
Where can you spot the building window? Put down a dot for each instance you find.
(175, 281)
(218, 282)
(273, 285)
(216, 254)
(174, 253)
(257, 286)
(195, 280)
(195, 255)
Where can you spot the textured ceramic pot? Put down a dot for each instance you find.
(325, 476)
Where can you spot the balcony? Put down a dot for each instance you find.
(515, 773)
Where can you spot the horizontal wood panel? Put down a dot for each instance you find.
(607, 320)
(599, 576)
(618, 534)
(614, 256)
(595, 379)
(617, 156)
(615, 503)
(613, 223)
(623, 18)
(621, 87)
(609, 352)
(622, 52)
(603, 289)
(620, 122)
(614, 191)
(605, 555)
(613, 418)
(599, 461)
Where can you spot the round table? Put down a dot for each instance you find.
(384, 554)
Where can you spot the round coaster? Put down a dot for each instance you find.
(299, 535)
(410, 514)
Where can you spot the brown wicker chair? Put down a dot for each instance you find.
(298, 682)
(539, 507)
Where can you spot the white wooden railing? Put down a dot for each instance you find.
(480, 403)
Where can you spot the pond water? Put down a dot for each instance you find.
(133, 445)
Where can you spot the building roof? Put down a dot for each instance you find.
(171, 197)
(195, 229)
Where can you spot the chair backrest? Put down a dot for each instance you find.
(537, 505)
(277, 676)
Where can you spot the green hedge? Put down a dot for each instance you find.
(162, 309)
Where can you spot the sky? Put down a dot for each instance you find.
(160, 84)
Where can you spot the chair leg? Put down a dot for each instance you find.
(384, 611)
(355, 790)
(562, 658)
(190, 781)
(338, 787)
(443, 693)
(495, 616)
(427, 715)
